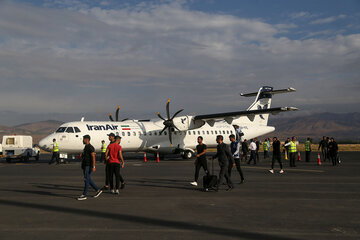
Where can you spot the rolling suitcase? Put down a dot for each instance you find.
(210, 181)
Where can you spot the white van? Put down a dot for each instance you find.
(19, 147)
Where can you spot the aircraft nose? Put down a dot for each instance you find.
(45, 144)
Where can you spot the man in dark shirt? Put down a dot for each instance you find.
(276, 155)
(333, 151)
(323, 144)
(88, 166)
(245, 150)
(201, 161)
(225, 159)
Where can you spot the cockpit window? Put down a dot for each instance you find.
(77, 129)
(61, 129)
(69, 130)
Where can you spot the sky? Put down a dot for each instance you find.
(67, 59)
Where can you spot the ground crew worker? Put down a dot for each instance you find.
(55, 154)
(236, 151)
(307, 149)
(276, 155)
(292, 151)
(201, 161)
(103, 151)
(323, 144)
(265, 148)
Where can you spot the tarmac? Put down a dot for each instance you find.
(38, 201)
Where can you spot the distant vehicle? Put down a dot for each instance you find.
(19, 147)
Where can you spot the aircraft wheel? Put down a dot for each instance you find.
(8, 160)
(187, 155)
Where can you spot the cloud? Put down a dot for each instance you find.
(78, 57)
(328, 19)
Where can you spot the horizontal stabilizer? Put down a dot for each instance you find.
(254, 94)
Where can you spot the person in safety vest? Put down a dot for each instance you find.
(55, 152)
(103, 151)
(292, 151)
(265, 148)
(307, 149)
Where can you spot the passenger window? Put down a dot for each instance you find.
(199, 133)
(160, 133)
(215, 132)
(129, 134)
(123, 134)
(144, 133)
(194, 132)
(150, 133)
(189, 132)
(61, 129)
(77, 130)
(134, 133)
(207, 132)
(224, 132)
(231, 132)
(69, 130)
(212, 132)
(227, 131)
(180, 133)
(10, 141)
(155, 133)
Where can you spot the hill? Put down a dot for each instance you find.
(37, 130)
(344, 127)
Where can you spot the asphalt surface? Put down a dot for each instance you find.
(38, 201)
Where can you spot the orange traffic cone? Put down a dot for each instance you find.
(299, 157)
(318, 159)
(145, 159)
(157, 157)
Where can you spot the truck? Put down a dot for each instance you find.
(19, 147)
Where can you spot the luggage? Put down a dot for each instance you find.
(210, 181)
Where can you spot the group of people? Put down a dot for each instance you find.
(329, 150)
(111, 157)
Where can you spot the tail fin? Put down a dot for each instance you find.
(263, 101)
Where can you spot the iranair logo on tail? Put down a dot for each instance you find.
(262, 108)
(101, 127)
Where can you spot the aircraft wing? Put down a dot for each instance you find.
(229, 116)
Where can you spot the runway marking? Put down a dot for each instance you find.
(287, 169)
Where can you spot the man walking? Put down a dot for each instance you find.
(252, 152)
(122, 181)
(245, 150)
(323, 144)
(201, 161)
(235, 151)
(307, 149)
(106, 162)
(225, 159)
(276, 155)
(333, 151)
(88, 166)
(55, 152)
(292, 151)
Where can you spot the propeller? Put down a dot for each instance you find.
(116, 116)
(169, 123)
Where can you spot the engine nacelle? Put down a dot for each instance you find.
(185, 123)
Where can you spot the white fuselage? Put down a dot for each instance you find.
(144, 136)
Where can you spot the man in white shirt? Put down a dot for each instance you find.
(252, 152)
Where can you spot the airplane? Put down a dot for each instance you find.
(173, 134)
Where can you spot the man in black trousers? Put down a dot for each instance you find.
(276, 155)
(225, 159)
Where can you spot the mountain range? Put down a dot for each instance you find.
(343, 127)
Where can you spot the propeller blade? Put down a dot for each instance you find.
(176, 128)
(170, 137)
(163, 130)
(160, 116)
(167, 109)
(111, 119)
(177, 113)
(117, 113)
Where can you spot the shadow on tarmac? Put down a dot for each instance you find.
(146, 221)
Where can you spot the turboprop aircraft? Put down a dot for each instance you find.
(173, 134)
